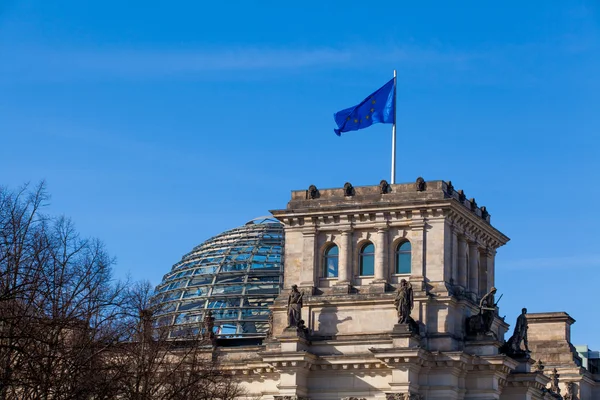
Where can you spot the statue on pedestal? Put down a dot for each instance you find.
(554, 381)
(294, 307)
(482, 323)
(404, 303)
(513, 346)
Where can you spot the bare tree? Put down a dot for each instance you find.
(69, 331)
(152, 365)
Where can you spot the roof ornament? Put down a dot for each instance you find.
(420, 184)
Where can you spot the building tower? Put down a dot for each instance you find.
(348, 250)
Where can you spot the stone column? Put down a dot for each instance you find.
(380, 254)
(308, 267)
(380, 281)
(344, 262)
(483, 272)
(463, 279)
(473, 268)
(491, 258)
(417, 241)
(454, 259)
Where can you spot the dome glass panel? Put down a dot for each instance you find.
(236, 275)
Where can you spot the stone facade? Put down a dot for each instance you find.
(351, 345)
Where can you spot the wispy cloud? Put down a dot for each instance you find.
(576, 261)
(488, 63)
(59, 64)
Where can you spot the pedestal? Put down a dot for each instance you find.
(341, 288)
(404, 337)
(482, 345)
(377, 286)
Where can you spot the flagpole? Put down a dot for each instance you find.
(394, 136)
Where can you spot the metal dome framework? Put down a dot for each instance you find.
(236, 274)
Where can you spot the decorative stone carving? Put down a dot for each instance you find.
(302, 329)
(462, 196)
(513, 346)
(554, 381)
(209, 324)
(384, 187)
(473, 204)
(539, 366)
(404, 303)
(348, 189)
(484, 212)
(312, 192)
(482, 323)
(294, 307)
(420, 184)
(570, 395)
(403, 396)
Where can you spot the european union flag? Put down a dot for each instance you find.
(380, 106)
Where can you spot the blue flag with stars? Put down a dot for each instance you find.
(378, 107)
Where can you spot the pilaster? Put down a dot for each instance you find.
(309, 257)
(454, 259)
(381, 251)
(473, 267)
(463, 278)
(344, 263)
(491, 273)
(417, 240)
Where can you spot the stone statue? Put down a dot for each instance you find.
(209, 324)
(539, 366)
(404, 301)
(348, 189)
(294, 307)
(487, 309)
(482, 322)
(384, 187)
(513, 346)
(570, 395)
(312, 192)
(420, 184)
(520, 332)
(554, 381)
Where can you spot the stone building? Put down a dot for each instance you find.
(347, 252)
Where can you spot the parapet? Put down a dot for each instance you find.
(384, 194)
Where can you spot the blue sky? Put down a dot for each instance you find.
(159, 124)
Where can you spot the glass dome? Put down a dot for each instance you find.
(236, 274)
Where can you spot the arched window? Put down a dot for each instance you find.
(331, 262)
(403, 258)
(367, 260)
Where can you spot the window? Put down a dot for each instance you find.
(367, 260)
(403, 255)
(330, 262)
